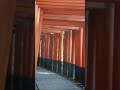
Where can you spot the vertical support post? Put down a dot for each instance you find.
(38, 28)
(18, 62)
(116, 57)
(100, 55)
(7, 10)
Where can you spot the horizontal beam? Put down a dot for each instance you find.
(51, 31)
(61, 7)
(61, 4)
(63, 23)
(54, 28)
(62, 27)
(63, 1)
(64, 18)
(64, 12)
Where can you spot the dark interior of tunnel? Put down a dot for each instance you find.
(20, 70)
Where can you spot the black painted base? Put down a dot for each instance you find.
(59, 67)
(55, 63)
(80, 75)
(65, 67)
(19, 83)
(70, 70)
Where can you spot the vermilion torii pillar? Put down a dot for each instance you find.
(7, 9)
(38, 27)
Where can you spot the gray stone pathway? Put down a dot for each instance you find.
(47, 80)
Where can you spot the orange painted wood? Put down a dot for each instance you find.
(61, 7)
(45, 46)
(63, 23)
(38, 27)
(52, 41)
(68, 46)
(62, 4)
(7, 11)
(60, 47)
(70, 33)
(47, 51)
(50, 31)
(65, 47)
(83, 49)
(40, 49)
(48, 46)
(51, 46)
(59, 28)
(78, 49)
(55, 46)
(65, 1)
(69, 18)
(73, 48)
(64, 12)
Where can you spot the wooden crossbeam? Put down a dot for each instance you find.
(64, 12)
(64, 28)
(51, 31)
(63, 1)
(64, 18)
(63, 23)
(61, 7)
(61, 4)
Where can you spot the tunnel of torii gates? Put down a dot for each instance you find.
(60, 37)
(80, 43)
